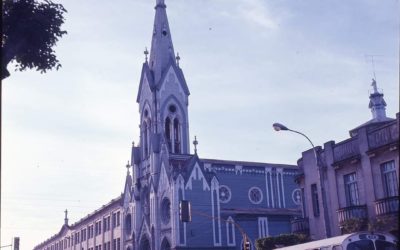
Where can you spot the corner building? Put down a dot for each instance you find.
(228, 198)
(360, 178)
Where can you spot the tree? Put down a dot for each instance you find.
(30, 31)
(273, 242)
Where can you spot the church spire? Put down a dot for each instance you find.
(377, 104)
(162, 50)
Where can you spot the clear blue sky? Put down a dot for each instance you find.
(248, 63)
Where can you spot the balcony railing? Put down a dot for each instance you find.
(387, 205)
(383, 136)
(352, 212)
(300, 225)
(345, 149)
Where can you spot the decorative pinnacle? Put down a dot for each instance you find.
(195, 143)
(133, 144)
(177, 58)
(146, 52)
(127, 167)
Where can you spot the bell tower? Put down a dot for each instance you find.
(163, 94)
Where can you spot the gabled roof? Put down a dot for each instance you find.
(179, 74)
(145, 72)
(64, 229)
(184, 164)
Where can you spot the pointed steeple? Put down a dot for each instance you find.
(377, 104)
(162, 50)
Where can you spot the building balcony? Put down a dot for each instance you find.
(383, 136)
(352, 212)
(386, 206)
(346, 150)
(300, 226)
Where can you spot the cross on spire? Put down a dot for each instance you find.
(127, 167)
(146, 52)
(195, 143)
(66, 217)
(177, 58)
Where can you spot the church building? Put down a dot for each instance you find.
(229, 200)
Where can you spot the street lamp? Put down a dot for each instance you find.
(279, 127)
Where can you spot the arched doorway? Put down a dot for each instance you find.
(165, 245)
(144, 243)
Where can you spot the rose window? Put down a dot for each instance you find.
(255, 195)
(224, 194)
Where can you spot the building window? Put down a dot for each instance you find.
(262, 227)
(351, 189)
(168, 132)
(315, 200)
(165, 211)
(177, 137)
(118, 218)
(255, 195)
(172, 108)
(145, 138)
(389, 177)
(230, 231)
(106, 224)
(303, 203)
(128, 223)
(224, 194)
(114, 220)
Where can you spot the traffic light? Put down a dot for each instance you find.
(185, 211)
(16, 243)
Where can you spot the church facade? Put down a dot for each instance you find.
(230, 200)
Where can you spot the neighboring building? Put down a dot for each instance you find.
(227, 198)
(100, 230)
(360, 179)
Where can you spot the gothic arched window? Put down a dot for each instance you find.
(177, 139)
(145, 140)
(128, 223)
(168, 132)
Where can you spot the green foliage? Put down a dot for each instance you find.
(30, 31)
(270, 243)
(353, 225)
(385, 224)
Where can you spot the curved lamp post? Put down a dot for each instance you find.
(279, 127)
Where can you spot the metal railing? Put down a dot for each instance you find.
(300, 225)
(352, 212)
(387, 205)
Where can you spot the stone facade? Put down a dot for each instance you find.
(359, 176)
(229, 199)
